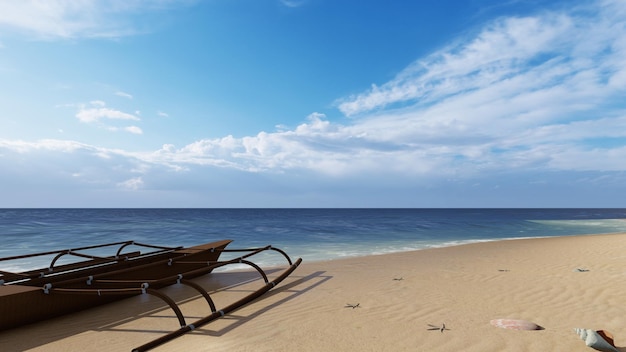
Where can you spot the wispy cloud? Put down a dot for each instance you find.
(97, 111)
(133, 130)
(132, 184)
(123, 95)
(129, 129)
(293, 3)
(541, 93)
(78, 19)
(525, 93)
(511, 48)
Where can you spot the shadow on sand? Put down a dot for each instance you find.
(137, 307)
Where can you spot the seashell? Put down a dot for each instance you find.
(600, 340)
(515, 324)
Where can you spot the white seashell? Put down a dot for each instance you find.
(594, 340)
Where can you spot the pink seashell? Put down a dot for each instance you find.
(515, 324)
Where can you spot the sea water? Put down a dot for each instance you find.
(313, 234)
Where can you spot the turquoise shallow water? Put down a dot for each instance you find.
(313, 234)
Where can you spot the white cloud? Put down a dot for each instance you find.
(537, 94)
(60, 145)
(525, 92)
(96, 114)
(501, 51)
(124, 95)
(98, 111)
(162, 114)
(132, 184)
(133, 130)
(78, 18)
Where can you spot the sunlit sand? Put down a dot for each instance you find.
(430, 300)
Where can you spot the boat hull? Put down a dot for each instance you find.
(24, 303)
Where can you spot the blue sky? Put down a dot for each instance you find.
(312, 103)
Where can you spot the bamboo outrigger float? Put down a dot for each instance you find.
(35, 295)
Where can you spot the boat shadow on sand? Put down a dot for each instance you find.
(142, 318)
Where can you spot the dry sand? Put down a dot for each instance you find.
(398, 295)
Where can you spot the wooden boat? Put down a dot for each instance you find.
(35, 295)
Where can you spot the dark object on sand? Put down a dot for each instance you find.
(441, 328)
(36, 295)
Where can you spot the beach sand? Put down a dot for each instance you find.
(398, 296)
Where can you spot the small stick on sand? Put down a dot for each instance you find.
(440, 328)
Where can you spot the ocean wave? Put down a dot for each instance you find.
(612, 225)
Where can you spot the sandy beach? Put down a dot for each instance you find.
(558, 283)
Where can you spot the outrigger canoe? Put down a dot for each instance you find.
(35, 295)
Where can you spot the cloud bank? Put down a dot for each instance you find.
(539, 94)
(524, 93)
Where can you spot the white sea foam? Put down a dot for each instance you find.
(594, 225)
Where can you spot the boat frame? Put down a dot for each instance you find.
(36, 295)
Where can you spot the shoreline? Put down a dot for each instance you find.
(398, 295)
(462, 243)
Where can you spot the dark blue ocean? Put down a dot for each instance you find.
(313, 234)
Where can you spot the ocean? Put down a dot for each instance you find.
(312, 234)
